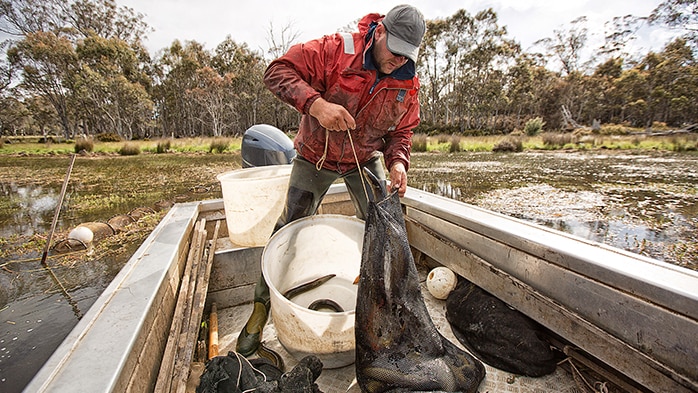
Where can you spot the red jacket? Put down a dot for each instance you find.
(333, 67)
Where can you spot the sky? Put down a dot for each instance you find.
(210, 21)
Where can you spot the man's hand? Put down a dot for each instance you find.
(334, 117)
(398, 178)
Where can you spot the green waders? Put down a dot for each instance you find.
(307, 186)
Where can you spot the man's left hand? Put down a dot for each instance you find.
(398, 178)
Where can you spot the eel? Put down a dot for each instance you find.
(398, 347)
(305, 287)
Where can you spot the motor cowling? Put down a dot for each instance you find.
(263, 144)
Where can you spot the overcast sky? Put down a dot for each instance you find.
(210, 21)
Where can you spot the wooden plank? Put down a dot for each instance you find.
(180, 369)
(164, 380)
(197, 307)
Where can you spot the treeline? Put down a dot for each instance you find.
(80, 68)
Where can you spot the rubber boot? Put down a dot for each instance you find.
(251, 334)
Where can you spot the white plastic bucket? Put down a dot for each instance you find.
(254, 199)
(300, 252)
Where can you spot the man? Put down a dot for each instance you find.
(358, 93)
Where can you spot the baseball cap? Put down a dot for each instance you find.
(406, 27)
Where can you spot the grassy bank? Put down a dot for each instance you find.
(421, 143)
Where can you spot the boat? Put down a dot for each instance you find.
(630, 319)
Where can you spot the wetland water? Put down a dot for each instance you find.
(644, 202)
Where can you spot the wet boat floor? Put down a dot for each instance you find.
(231, 320)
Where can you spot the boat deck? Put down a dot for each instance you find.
(342, 380)
(629, 318)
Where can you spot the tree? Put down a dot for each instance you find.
(176, 68)
(681, 15)
(249, 96)
(566, 45)
(283, 116)
(49, 65)
(108, 88)
(214, 95)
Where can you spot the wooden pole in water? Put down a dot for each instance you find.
(73, 304)
(58, 210)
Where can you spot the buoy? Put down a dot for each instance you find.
(441, 281)
(83, 234)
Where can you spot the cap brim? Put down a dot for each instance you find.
(401, 47)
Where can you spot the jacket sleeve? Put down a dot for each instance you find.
(298, 77)
(398, 143)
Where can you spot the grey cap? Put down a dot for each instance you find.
(406, 28)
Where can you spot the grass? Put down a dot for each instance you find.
(445, 143)
(29, 146)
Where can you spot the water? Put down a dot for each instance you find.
(645, 203)
(35, 314)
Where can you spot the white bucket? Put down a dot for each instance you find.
(298, 253)
(254, 199)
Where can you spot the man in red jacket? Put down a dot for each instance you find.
(358, 93)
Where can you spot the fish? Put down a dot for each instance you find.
(398, 347)
(325, 304)
(307, 286)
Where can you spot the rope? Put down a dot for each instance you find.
(582, 384)
(322, 159)
(358, 166)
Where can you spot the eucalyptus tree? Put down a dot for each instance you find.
(672, 82)
(478, 54)
(250, 101)
(49, 65)
(681, 15)
(279, 42)
(109, 91)
(213, 93)
(432, 66)
(177, 67)
(606, 100)
(567, 44)
(45, 35)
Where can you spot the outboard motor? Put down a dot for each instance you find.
(263, 145)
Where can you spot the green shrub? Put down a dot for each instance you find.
(219, 145)
(163, 146)
(84, 143)
(108, 137)
(419, 142)
(534, 126)
(130, 149)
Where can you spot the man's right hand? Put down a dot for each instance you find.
(334, 117)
